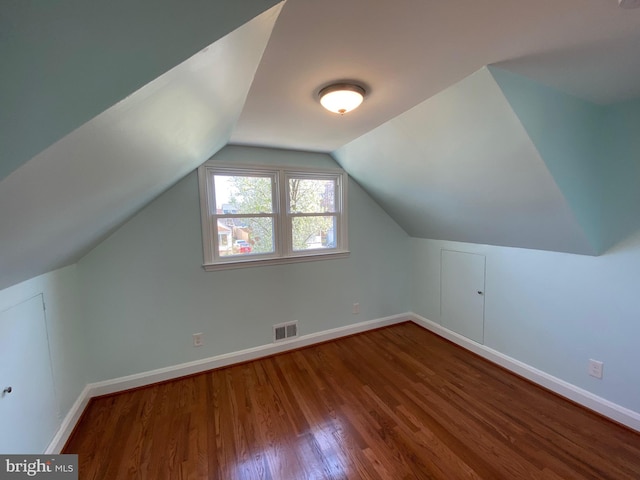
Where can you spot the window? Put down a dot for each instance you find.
(261, 216)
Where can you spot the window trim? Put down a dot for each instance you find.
(283, 249)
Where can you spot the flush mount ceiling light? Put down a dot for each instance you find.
(341, 97)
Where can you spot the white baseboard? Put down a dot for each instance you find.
(585, 398)
(162, 374)
(69, 422)
(598, 404)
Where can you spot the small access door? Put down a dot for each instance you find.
(28, 406)
(462, 293)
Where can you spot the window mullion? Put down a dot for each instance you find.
(242, 215)
(212, 222)
(285, 219)
(313, 214)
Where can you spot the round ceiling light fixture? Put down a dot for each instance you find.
(341, 97)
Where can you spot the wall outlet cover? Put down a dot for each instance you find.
(596, 368)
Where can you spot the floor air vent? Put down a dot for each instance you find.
(283, 331)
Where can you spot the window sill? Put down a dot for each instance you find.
(260, 262)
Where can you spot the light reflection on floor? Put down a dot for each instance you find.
(319, 452)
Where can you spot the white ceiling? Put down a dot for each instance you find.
(405, 51)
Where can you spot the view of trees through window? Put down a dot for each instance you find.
(308, 200)
(247, 226)
(246, 214)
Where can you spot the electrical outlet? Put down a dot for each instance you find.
(197, 339)
(356, 308)
(595, 368)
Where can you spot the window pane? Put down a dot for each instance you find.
(245, 236)
(243, 194)
(312, 195)
(313, 232)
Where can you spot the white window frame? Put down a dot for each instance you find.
(282, 217)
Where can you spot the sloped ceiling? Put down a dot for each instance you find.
(66, 61)
(566, 133)
(602, 72)
(448, 152)
(620, 178)
(590, 150)
(62, 202)
(460, 166)
(501, 159)
(406, 51)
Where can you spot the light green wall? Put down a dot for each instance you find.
(65, 330)
(132, 303)
(144, 291)
(620, 170)
(66, 61)
(592, 151)
(566, 132)
(553, 311)
(461, 166)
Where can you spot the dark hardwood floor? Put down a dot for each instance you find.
(394, 403)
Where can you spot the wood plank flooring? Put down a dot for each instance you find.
(394, 403)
